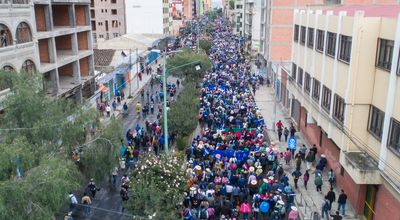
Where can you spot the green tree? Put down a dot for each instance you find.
(38, 134)
(188, 72)
(182, 116)
(158, 186)
(231, 4)
(205, 45)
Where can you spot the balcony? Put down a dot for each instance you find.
(361, 167)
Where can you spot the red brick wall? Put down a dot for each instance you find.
(84, 66)
(66, 70)
(44, 51)
(387, 207)
(60, 15)
(40, 18)
(64, 42)
(83, 41)
(80, 15)
(356, 193)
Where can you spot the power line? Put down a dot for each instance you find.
(354, 139)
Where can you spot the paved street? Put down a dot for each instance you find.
(108, 205)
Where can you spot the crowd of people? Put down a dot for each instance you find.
(233, 171)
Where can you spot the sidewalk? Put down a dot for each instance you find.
(135, 89)
(308, 201)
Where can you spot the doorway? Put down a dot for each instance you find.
(369, 203)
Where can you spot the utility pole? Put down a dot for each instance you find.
(137, 68)
(165, 104)
(130, 72)
(198, 38)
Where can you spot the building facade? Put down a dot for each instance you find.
(18, 51)
(107, 19)
(53, 39)
(148, 17)
(64, 45)
(342, 91)
(239, 18)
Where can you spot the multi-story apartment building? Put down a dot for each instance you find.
(149, 17)
(342, 91)
(107, 19)
(53, 39)
(254, 26)
(239, 17)
(279, 25)
(64, 44)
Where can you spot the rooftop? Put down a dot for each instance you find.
(103, 57)
(390, 11)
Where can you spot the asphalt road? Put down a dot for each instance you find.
(108, 205)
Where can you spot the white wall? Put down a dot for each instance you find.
(144, 16)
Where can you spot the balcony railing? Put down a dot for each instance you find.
(15, 1)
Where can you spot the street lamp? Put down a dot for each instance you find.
(165, 116)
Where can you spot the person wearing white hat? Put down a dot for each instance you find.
(293, 214)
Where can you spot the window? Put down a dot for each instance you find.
(310, 40)
(345, 48)
(326, 98)
(331, 44)
(394, 138)
(113, 11)
(338, 108)
(114, 1)
(294, 71)
(23, 33)
(303, 35)
(239, 6)
(5, 36)
(300, 78)
(307, 83)
(385, 54)
(8, 68)
(375, 125)
(316, 89)
(28, 67)
(320, 40)
(296, 33)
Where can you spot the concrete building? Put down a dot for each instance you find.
(254, 26)
(342, 91)
(17, 40)
(53, 39)
(239, 17)
(107, 19)
(188, 9)
(279, 28)
(148, 17)
(64, 46)
(17, 37)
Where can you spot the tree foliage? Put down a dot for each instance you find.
(157, 186)
(205, 45)
(37, 135)
(231, 4)
(182, 116)
(188, 72)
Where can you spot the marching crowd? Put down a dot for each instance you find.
(233, 171)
